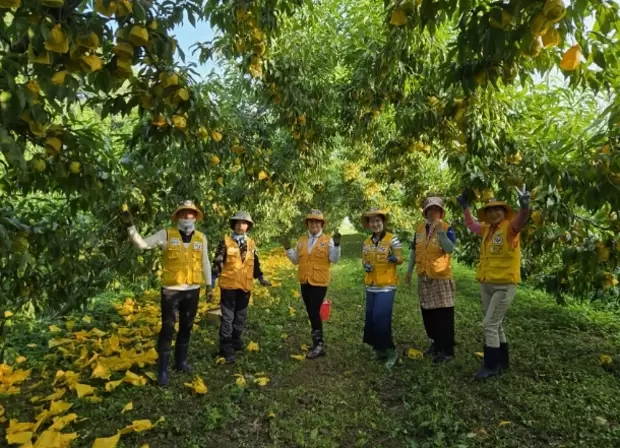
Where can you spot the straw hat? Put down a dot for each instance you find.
(493, 202)
(374, 211)
(433, 201)
(241, 216)
(316, 215)
(187, 205)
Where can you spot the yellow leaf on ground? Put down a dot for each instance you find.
(69, 325)
(8, 313)
(479, 354)
(303, 347)
(127, 407)
(84, 390)
(253, 346)
(111, 385)
(132, 378)
(107, 442)
(97, 332)
(298, 357)
(262, 380)
(504, 423)
(198, 386)
(87, 319)
(19, 438)
(66, 439)
(220, 360)
(146, 445)
(48, 439)
(58, 394)
(137, 426)
(240, 381)
(93, 399)
(20, 359)
(151, 376)
(16, 377)
(54, 329)
(60, 422)
(291, 311)
(101, 371)
(32, 346)
(284, 336)
(1, 410)
(16, 426)
(58, 407)
(605, 360)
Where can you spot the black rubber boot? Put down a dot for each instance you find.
(490, 367)
(180, 359)
(237, 342)
(162, 368)
(431, 350)
(318, 347)
(504, 358)
(227, 350)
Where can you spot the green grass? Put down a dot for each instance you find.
(555, 395)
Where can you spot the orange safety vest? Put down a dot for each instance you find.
(238, 273)
(183, 266)
(383, 272)
(500, 258)
(430, 258)
(314, 266)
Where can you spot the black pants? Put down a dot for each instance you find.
(183, 303)
(234, 305)
(439, 325)
(313, 298)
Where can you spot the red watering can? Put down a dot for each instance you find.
(326, 307)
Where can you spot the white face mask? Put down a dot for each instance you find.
(186, 224)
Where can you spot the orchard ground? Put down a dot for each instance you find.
(556, 393)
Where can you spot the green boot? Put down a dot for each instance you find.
(392, 358)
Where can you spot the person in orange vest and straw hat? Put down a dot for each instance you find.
(382, 252)
(186, 266)
(433, 242)
(499, 271)
(314, 253)
(237, 265)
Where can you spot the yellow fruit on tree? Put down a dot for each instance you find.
(610, 280)
(124, 8)
(42, 57)
(123, 50)
(123, 67)
(399, 17)
(153, 25)
(554, 10)
(257, 35)
(602, 251)
(487, 194)
(53, 145)
(535, 48)
(500, 18)
(237, 149)
(103, 10)
(159, 121)
(169, 79)
(90, 41)
(8, 4)
(216, 136)
(91, 63)
(539, 24)
(551, 38)
(138, 36)
(58, 78)
(75, 167)
(181, 95)
(33, 87)
(53, 3)
(215, 160)
(241, 13)
(260, 49)
(571, 59)
(39, 165)
(179, 122)
(237, 161)
(124, 208)
(57, 42)
(262, 175)
(220, 180)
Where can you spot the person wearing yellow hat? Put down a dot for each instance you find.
(433, 242)
(381, 253)
(236, 264)
(186, 267)
(499, 271)
(314, 253)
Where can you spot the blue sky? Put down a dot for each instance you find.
(187, 36)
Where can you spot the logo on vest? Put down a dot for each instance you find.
(321, 244)
(382, 249)
(498, 238)
(197, 246)
(175, 242)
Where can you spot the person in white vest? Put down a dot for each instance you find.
(186, 267)
(314, 253)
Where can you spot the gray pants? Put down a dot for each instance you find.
(496, 299)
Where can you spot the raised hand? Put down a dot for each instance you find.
(463, 200)
(524, 197)
(337, 237)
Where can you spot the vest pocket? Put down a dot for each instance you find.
(321, 275)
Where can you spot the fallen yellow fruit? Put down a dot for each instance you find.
(75, 167)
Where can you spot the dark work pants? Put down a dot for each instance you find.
(313, 298)
(183, 303)
(234, 305)
(439, 326)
